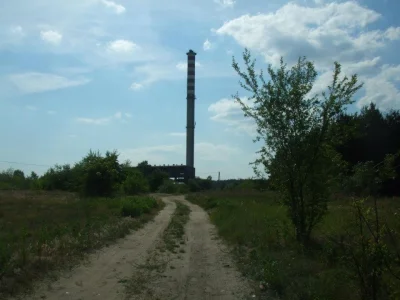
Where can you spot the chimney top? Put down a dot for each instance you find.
(191, 52)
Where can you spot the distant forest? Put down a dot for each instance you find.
(368, 135)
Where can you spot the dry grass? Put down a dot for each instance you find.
(42, 232)
(258, 228)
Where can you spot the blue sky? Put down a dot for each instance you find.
(100, 74)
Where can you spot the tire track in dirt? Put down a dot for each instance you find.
(200, 269)
(102, 277)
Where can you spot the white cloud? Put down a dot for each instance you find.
(51, 112)
(72, 136)
(34, 82)
(30, 107)
(337, 31)
(334, 31)
(382, 90)
(136, 86)
(229, 112)
(118, 8)
(207, 45)
(366, 67)
(128, 115)
(225, 3)
(392, 33)
(122, 46)
(51, 36)
(179, 134)
(118, 115)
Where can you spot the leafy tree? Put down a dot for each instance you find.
(145, 168)
(193, 185)
(20, 174)
(156, 179)
(33, 176)
(59, 178)
(168, 187)
(297, 130)
(98, 175)
(135, 183)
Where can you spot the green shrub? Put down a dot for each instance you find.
(136, 206)
(135, 183)
(156, 179)
(168, 187)
(182, 188)
(193, 185)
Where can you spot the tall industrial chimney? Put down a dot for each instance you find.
(190, 124)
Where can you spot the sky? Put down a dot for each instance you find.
(99, 74)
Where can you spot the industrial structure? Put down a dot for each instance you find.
(183, 173)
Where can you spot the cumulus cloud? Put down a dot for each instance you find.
(335, 31)
(324, 33)
(381, 88)
(118, 8)
(122, 46)
(51, 36)
(207, 45)
(51, 112)
(225, 3)
(229, 112)
(34, 82)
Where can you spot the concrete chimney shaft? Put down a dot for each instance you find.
(190, 123)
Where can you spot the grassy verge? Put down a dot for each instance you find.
(174, 234)
(257, 227)
(41, 232)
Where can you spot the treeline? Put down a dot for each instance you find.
(369, 136)
(95, 175)
(372, 135)
(101, 175)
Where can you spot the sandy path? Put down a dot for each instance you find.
(102, 277)
(201, 269)
(136, 267)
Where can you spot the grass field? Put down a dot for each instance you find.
(263, 240)
(41, 232)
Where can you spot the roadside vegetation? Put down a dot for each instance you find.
(325, 223)
(320, 220)
(43, 232)
(52, 221)
(173, 236)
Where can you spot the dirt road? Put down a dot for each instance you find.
(139, 267)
